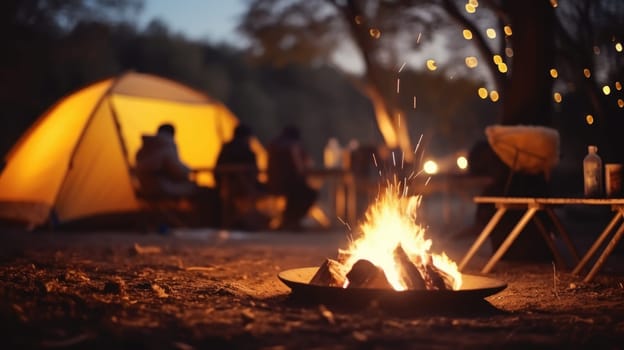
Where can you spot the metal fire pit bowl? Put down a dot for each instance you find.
(474, 289)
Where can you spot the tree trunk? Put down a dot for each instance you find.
(527, 93)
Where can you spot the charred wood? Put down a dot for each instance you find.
(365, 274)
(436, 279)
(331, 273)
(408, 272)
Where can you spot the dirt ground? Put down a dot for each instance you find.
(204, 289)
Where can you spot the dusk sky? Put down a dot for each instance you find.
(214, 20)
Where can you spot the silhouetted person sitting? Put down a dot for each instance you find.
(236, 174)
(286, 176)
(162, 174)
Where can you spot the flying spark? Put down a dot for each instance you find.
(418, 144)
(402, 66)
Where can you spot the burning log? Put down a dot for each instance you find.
(436, 279)
(408, 272)
(343, 255)
(365, 274)
(331, 273)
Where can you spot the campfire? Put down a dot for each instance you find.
(390, 252)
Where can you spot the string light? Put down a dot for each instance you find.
(589, 119)
(483, 93)
(494, 95)
(471, 62)
(557, 97)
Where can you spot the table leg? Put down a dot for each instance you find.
(563, 233)
(597, 243)
(605, 254)
(340, 200)
(482, 236)
(510, 239)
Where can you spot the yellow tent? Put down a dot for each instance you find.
(76, 158)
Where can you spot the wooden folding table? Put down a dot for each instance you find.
(531, 206)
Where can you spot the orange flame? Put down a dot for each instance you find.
(395, 136)
(391, 221)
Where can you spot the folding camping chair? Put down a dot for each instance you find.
(159, 210)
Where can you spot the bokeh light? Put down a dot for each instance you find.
(375, 33)
(462, 162)
(483, 93)
(431, 65)
(471, 62)
(430, 167)
(494, 95)
(589, 119)
(557, 97)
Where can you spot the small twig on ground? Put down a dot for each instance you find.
(555, 279)
(200, 268)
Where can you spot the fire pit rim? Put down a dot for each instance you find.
(297, 280)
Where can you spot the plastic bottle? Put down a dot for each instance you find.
(332, 155)
(592, 173)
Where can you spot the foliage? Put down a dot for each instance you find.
(47, 60)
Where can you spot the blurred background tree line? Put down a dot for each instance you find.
(287, 74)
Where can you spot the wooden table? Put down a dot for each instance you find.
(531, 206)
(339, 181)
